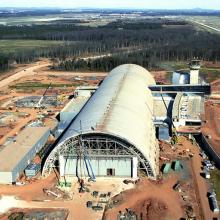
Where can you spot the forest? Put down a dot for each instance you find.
(145, 41)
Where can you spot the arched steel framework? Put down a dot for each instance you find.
(97, 145)
(117, 120)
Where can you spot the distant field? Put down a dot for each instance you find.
(56, 18)
(174, 65)
(28, 20)
(210, 74)
(208, 20)
(11, 46)
(213, 21)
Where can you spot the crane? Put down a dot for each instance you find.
(39, 105)
(83, 163)
(85, 156)
(174, 139)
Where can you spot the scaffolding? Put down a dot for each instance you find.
(96, 146)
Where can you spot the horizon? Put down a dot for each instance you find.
(108, 8)
(114, 4)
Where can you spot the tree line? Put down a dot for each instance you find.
(146, 42)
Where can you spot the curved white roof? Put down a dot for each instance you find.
(122, 106)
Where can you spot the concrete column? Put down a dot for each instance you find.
(61, 165)
(134, 167)
(194, 77)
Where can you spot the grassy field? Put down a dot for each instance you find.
(172, 66)
(213, 21)
(55, 18)
(11, 46)
(215, 179)
(29, 20)
(209, 74)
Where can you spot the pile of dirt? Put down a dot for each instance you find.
(151, 209)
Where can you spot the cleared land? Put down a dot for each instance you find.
(32, 80)
(37, 20)
(56, 18)
(212, 128)
(25, 72)
(146, 194)
(209, 22)
(11, 46)
(210, 71)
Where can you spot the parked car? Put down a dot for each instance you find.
(206, 173)
(203, 155)
(208, 164)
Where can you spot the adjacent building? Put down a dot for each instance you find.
(16, 156)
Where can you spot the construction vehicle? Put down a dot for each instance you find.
(61, 98)
(85, 156)
(174, 139)
(82, 188)
(98, 207)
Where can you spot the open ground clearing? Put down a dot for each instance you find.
(11, 46)
(147, 194)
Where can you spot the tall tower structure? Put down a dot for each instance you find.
(194, 66)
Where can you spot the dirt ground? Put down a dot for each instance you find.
(212, 125)
(32, 196)
(161, 76)
(210, 64)
(201, 185)
(37, 73)
(157, 200)
(215, 86)
(29, 192)
(150, 200)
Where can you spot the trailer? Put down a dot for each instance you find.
(166, 168)
(214, 203)
(177, 165)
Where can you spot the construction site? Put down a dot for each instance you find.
(108, 145)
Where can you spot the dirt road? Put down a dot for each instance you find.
(212, 125)
(76, 74)
(30, 70)
(200, 182)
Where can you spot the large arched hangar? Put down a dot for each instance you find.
(115, 128)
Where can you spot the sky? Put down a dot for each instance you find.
(143, 4)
